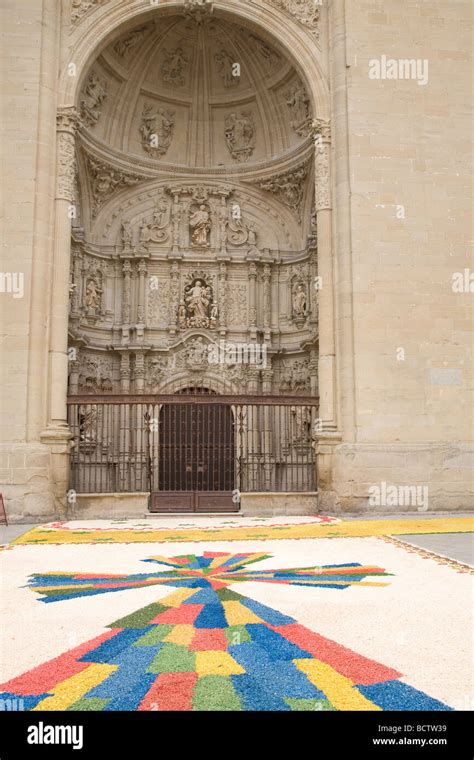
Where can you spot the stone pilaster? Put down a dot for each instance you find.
(324, 295)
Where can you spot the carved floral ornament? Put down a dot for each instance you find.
(288, 187)
(107, 180)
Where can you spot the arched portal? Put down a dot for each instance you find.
(196, 233)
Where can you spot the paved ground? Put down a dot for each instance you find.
(458, 546)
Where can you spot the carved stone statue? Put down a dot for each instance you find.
(214, 316)
(197, 301)
(182, 315)
(126, 234)
(156, 130)
(93, 295)
(299, 300)
(174, 67)
(196, 354)
(200, 223)
(299, 104)
(225, 66)
(92, 97)
(240, 135)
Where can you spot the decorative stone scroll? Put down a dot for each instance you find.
(289, 188)
(106, 180)
(306, 12)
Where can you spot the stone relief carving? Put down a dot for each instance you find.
(174, 67)
(95, 374)
(155, 231)
(131, 40)
(301, 433)
(237, 304)
(304, 11)
(80, 7)
(156, 129)
(268, 54)
(198, 11)
(298, 102)
(240, 135)
(193, 356)
(91, 99)
(288, 187)
(158, 303)
(198, 307)
(225, 67)
(238, 232)
(155, 369)
(106, 180)
(295, 377)
(66, 181)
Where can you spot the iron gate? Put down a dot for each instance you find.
(192, 452)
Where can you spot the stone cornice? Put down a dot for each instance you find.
(152, 169)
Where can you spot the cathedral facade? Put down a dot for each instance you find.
(231, 257)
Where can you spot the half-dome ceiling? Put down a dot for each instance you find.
(199, 95)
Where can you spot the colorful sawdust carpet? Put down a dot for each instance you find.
(206, 647)
(314, 527)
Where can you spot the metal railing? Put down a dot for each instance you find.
(192, 442)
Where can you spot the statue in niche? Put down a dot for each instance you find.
(240, 135)
(298, 102)
(226, 67)
(182, 315)
(200, 222)
(214, 316)
(93, 295)
(174, 67)
(197, 301)
(93, 96)
(156, 130)
(126, 234)
(299, 301)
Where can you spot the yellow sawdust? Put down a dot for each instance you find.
(69, 691)
(349, 529)
(338, 689)
(217, 663)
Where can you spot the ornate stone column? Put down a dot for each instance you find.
(125, 371)
(222, 297)
(174, 297)
(139, 371)
(252, 300)
(267, 301)
(126, 296)
(142, 272)
(325, 294)
(57, 430)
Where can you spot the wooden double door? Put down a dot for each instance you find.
(196, 458)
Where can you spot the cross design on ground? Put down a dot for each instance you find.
(208, 647)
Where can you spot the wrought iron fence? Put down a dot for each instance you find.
(192, 442)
